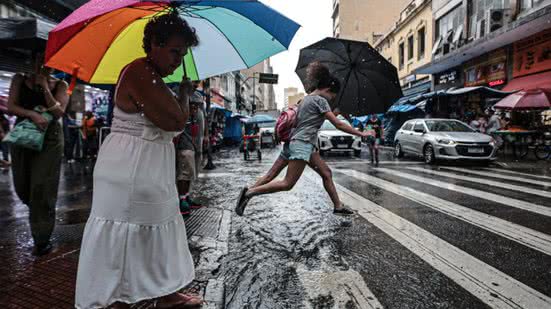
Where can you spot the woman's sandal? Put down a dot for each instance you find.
(188, 301)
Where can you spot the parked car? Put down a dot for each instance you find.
(332, 139)
(448, 139)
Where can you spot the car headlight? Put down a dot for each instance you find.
(446, 142)
(493, 142)
(324, 137)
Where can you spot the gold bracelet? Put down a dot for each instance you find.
(56, 105)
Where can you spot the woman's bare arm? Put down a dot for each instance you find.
(159, 105)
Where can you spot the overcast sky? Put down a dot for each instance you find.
(315, 18)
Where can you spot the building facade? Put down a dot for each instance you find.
(364, 20)
(489, 43)
(407, 45)
(263, 95)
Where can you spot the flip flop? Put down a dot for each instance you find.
(343, 211)
(242, 202)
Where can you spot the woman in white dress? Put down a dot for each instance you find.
(134, 245)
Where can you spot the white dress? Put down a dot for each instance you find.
(134, 245)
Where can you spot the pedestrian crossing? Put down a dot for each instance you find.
(544, 193)
(518, 173)
(508, 266)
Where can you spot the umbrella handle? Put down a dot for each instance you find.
(184, 67)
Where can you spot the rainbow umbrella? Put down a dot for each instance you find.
(97, 40)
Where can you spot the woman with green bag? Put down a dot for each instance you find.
(36, 173)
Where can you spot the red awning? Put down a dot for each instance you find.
(530, 99)
(540, 80)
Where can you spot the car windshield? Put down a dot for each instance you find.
(447, 126)
(267, 125)
(327, 125)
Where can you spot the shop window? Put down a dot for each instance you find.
(421, 43)
(401, 55)
(410, 47)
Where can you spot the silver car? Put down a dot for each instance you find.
(448, 139)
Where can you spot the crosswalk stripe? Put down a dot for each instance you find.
(502, 170)
(496, 175)
(491, 286)
(356, 161)
(485, 182)
(525, 236)
(535, 208)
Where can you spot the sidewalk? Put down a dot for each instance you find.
(49, 281)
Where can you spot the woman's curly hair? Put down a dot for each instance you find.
(319, 77)
(161, 28)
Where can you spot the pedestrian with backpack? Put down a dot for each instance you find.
(298, 128)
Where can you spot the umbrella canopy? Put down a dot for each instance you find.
(369, 82)
(259, 119)
(97, 40)
(529, 99)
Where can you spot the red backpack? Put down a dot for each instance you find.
(286, 122)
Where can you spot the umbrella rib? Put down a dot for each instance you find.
(367, 78)
(344, 87)
(358, 99)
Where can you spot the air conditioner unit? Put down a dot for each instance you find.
(480, 29)
(497, 19)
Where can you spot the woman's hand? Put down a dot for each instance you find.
(186, 87)
(366, 134)
(39, 120)
(42, 81)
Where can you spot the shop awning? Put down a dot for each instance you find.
(413, 92)
(482, 90)
(24, 33)
(540, 80)
(401, 108)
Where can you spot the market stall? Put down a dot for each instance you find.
(524, 124)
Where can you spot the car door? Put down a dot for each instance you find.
(404, 136)
(417, 137)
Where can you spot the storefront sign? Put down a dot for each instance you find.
(487, 69)
(533, 54)
(447, 78)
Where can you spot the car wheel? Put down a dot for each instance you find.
(428, 154)
(398, 153)
(357, 153)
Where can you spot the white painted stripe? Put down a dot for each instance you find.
(535, 208)
(380, 162)
(496, 175)
(485, 182)
(525, 236)
(491, 286)
(502, 170)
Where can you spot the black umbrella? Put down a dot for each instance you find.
(369, 82)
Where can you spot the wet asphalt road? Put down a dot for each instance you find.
(451, 236)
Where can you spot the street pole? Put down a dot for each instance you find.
(206, 87)
(254, 93)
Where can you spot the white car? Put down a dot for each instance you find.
(332, 139)
(446, 139)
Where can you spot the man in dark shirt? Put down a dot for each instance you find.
(374, 126)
